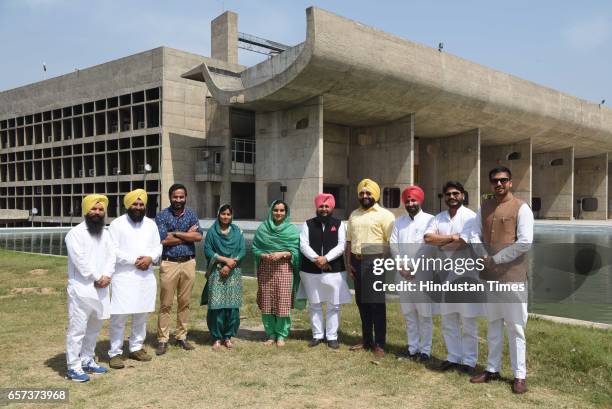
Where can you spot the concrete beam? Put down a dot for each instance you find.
(224, 37)
(384, 154)
(289, 152)
(553, 184)
(517, 158)
(454, 157)
(591, 181)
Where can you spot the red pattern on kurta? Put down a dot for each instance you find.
(274, 281)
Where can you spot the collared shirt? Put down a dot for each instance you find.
(444, 224)
(168, 222)
(370, 226)
(408, 230)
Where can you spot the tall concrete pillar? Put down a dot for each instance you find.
(218, 133)
(384, 154)
(336, 145)
(454, 157)
(553, 184)
(517, 158)
(289, 153)
(224, 37)
(609, 190)
(591, 187)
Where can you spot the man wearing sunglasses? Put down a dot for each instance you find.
(459, 319)
(504, 224)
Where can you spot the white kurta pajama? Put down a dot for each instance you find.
(419, 326)
(461, 345)
(89, 258)
(133, 291)
(329, 288)
(514, 315)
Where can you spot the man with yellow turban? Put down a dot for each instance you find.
(91, 262)
(134, 288)
(368, 230)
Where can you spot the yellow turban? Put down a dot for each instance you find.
(371, 187)
(90, 201)
(134, 195)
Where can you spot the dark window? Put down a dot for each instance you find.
(302, 124)
(556, 162)
(391, 197)
(514, 156)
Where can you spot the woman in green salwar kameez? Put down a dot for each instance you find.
(224, 248)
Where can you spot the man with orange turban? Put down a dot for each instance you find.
(134, 288)
(322, 271)
(406, 240)
(91, 262)
(368, 230)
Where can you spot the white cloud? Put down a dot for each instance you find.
(588, 34)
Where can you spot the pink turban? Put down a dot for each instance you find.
(325, 198)
(414, 192)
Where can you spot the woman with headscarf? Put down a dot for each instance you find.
(224, 248)
(276, 247)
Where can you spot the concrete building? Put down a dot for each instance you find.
(349, 102)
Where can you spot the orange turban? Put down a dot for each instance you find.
(414, 192)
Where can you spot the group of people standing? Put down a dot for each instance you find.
(293, 267)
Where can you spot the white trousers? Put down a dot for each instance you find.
(332, 321)
(461, 346)
(517, 345)
(83, 329)
(419, 330)
(117, 330)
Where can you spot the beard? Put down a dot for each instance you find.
(413, 209)
(367, 202)
(178, 206)
(136, 215)
(95, 224)
(323, 219)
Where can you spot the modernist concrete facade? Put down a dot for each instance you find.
(352, 101)
(349, 102)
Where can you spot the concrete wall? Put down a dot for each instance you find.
(183, 121)
(554, 185)
(384, 154)
(293, 157)
(454, 157)
(591, 180)
(224, 37)
(336, 141)
(494, 156)
(609, 190)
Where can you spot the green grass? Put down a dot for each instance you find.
(567, 366)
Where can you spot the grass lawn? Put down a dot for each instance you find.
(567, 366)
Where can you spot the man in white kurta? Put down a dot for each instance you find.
(514, 314)
(91, 261)
(134, 287)
(445, 231)
(408, 231)
(322, 272)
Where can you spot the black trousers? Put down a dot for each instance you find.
(372, 307)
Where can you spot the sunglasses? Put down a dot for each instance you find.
(452, 193)
(503, 181)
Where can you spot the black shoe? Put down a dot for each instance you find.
(333, 344)
(448, 365)
(315, 341)
(423, 358)
(407, 354)
(466, 369)
(161, 348)
(184, 344)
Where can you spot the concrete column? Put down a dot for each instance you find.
(553, 184)
(224, 37)
(517, 158)
(609, 190)
(336, 141)
(591, 181)
(454, 157)
(384, 154)
(290, 152)
(218, 133)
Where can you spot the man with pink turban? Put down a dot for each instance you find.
(322, 271)
(407, 234)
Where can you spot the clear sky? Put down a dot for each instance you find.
(564, 44)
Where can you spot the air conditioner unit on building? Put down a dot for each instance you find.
(49, 139)
(141, 124)
(80, 173)
(116, 171)
(91, 173)
(126, 126)
(38, 190)
(141, 168)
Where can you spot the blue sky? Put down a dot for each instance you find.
(566, 45)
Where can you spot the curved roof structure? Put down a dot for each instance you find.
(369, 77)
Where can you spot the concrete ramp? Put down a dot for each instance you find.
(13, 215)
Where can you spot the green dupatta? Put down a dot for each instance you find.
(271, 238)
